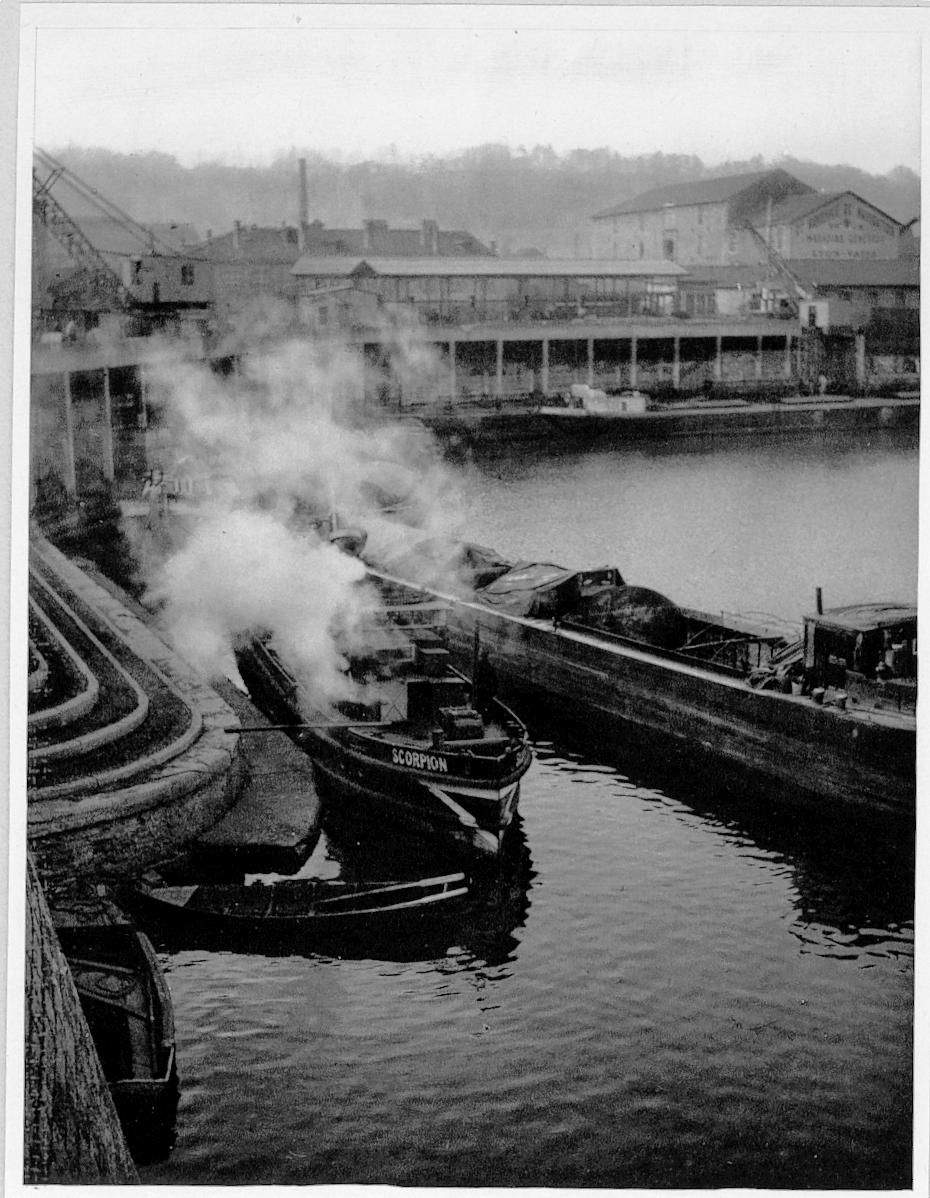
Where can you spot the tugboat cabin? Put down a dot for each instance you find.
(868, 650)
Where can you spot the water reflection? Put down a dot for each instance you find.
(484, 930)
(852, 876)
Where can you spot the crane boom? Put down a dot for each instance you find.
(107, 284)
(797, 288)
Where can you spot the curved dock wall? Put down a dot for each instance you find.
(72, 1132)
(119, 832)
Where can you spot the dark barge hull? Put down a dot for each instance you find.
(842, 757)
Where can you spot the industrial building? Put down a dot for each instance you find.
(737, 219)
(440, 291)
(254, 260)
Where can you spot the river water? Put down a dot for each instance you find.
(674, 981)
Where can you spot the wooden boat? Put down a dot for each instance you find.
(426, 748)
(827, 709)
(320, 905)
(128, 1009)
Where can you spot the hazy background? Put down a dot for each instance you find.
(522, 198)
(517, 123)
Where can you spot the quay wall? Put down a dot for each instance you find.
(71, 1130)
(119, 831)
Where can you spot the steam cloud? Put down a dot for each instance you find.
(284, 443)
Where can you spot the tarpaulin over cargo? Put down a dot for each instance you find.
(533, 589)
(484, 565)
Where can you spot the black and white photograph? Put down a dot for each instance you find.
(464, 528)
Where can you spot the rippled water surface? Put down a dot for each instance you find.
(675, 980)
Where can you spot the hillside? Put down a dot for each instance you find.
(515, 197)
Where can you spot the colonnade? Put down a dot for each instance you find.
(790, 368)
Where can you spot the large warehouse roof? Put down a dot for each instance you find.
(469, 268)
(696, 191)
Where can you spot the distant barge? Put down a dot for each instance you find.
(488, 429)
(829, 712)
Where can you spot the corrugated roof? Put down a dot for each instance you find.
(489, 267)
(697, 191)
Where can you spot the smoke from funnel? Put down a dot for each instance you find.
(284, 448)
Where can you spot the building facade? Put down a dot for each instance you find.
(738, 219)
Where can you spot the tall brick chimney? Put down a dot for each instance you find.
(303, 215)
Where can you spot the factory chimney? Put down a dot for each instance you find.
(303, 216)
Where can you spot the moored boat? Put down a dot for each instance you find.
(127, 1005)
(583, 400)
(827, 710)
(424, 747)
(318, 905)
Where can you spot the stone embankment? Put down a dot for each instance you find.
(71, 1129)
(131, 757)
(130, 754)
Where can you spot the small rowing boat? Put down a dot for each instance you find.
(128, 1009)
(320, 905)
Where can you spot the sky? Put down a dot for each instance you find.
(243, 83)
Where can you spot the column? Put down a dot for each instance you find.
(860, 359)
(544, 369)
(590, 361)
(452, 383)
(70, 479)
(787, 355)
(143, 399)
(718, 360)
(499, 369)
(633, 365)
(107, 442)
(676, 363)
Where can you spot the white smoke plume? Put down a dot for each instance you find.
(282, 449)
(244, 572)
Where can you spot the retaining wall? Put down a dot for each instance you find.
(72, 1132)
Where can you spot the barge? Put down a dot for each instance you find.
(827, 709)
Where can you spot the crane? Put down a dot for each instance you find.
(107, 286)
(798, 289)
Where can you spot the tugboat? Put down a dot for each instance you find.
(425, 747)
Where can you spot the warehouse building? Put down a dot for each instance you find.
(739, 219)
(461, 291)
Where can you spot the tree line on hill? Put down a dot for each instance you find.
(516, 197)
